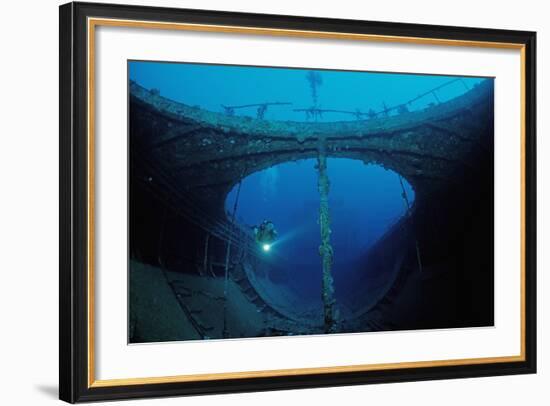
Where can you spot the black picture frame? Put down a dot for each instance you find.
(74, 200)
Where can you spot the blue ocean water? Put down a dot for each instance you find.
(211, 86)
(365, 200)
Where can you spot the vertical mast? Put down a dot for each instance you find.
(325, 249)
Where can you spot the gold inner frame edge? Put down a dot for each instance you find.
(92, 23)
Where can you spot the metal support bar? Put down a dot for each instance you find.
(325, 249)
(227, 257)
(409, 216)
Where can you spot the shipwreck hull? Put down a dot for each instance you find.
(184, 161)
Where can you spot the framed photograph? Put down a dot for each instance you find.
(255, 202)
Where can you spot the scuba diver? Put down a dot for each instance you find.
(265, 234)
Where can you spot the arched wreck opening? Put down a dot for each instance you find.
(365, 202)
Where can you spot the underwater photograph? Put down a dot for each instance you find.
(269, 201)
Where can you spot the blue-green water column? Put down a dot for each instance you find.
(325, 249)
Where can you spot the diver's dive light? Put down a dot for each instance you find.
(266, 247)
